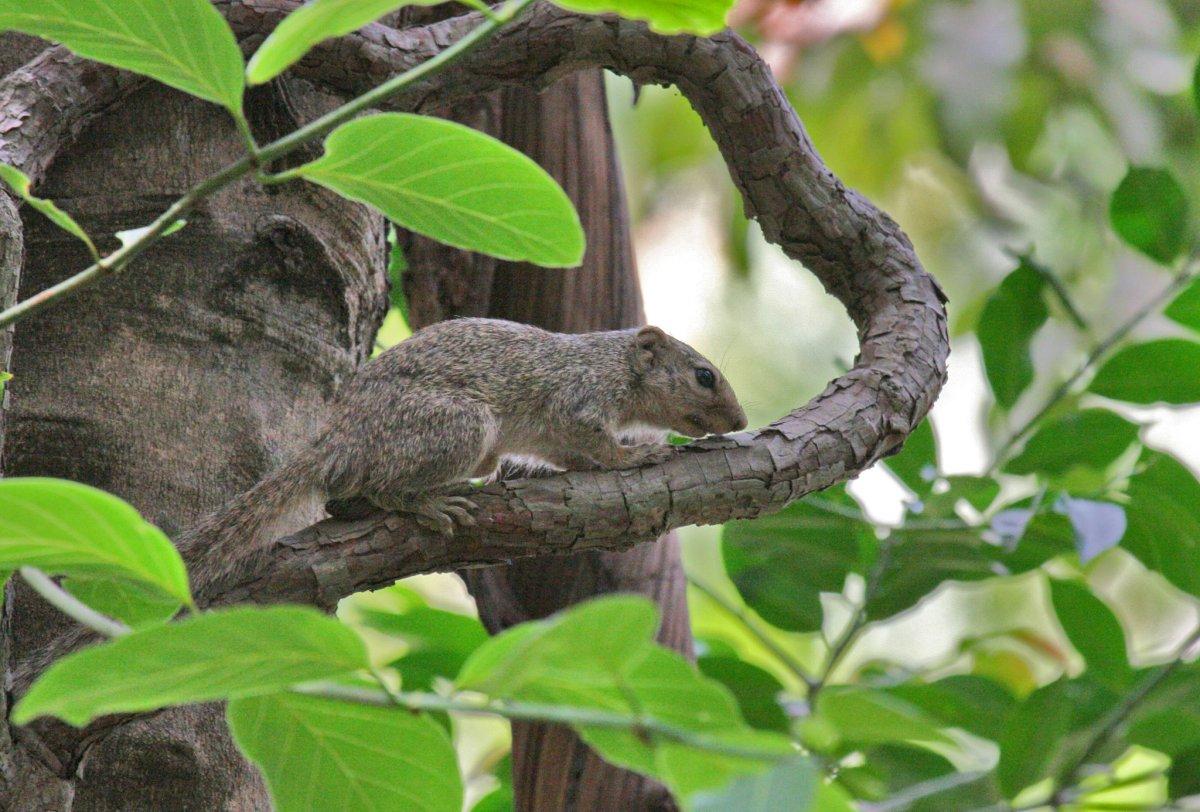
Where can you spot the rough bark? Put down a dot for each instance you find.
(175, 387)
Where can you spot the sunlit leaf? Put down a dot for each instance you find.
(1149, 210)
(1013, 314)
(1141, 373)
(132, 235)
(324, 754)
(310, 24)
(19, 182)
(667, 16)
(127, 602)
(439, 642)
(182, 43)
(66, 528)
(791, 786)
(215, 655)
(454, 184)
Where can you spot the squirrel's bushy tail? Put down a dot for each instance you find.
(229, 540)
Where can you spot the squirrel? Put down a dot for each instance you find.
(448, 403)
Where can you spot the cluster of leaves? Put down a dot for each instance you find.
(1072, 482)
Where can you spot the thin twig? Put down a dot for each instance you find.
(536, 712)
(1177, 283)
(1120, 714)
(120, 259)
(757, 631)
(70, 605)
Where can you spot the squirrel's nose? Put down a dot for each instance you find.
(738, 419)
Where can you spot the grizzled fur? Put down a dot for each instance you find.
(454, 399)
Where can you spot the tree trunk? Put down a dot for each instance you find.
(566, 130)
(175, 387)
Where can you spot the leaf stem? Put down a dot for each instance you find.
(119, 259)
(1177, 283)
(757, 631)
(68, 604)
(1120, 714)
(537, 712)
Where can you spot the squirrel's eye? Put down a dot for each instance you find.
(705, 377)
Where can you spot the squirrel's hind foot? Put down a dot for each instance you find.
(437, 512)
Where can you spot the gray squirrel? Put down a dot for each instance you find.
(447, 404)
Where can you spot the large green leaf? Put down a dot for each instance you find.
(182, 43)
(756, 691)
(439, 642)
(1095, 633)
(1149, 210)
(215, 655)
(1012, 315)
(314, 22)
(1164, 520)
(1049, 730)
(600, 655)
(453, 184)
(918, 562)
(324, 754)
(791, 786)
(667, 16)
(19, 182)
(1092, 438)
(975, 704)
(1185, 308)
(66, 528)
(781, 563)
(866, 716)
(127, 602)
(1152, 372)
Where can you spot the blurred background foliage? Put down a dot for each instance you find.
(964, 626)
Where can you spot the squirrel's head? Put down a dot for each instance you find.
(680, 389)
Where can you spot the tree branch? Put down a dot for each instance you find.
(859, 254)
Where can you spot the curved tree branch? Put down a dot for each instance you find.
(858, 253)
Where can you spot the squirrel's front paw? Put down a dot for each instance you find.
(437, 512)
(639, 456)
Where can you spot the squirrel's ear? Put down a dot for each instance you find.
(648, 343)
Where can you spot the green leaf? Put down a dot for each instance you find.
(1050, 729)
(128, 603)
(1095, 633)
(666, 16)
(919, 562)
(5, 377)
(439, 642)
(975, 704)
(216, 655)
(866, 716)
(1185, 308)
(916, 464)
(19, 182)
(182, 43)
(1196, 86)
(1150, 373)
(66, 528)
(1012, 315)
(1164, 522)
(453, 184)
(756, 691)
(310, 24)
(324, 754)
(1092, 438)
(1149, 210)
(791, 786)
(132, 235)
(781, 563)
(600, 655)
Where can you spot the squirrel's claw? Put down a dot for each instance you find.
(442, 514)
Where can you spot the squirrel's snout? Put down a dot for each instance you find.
(739, 420)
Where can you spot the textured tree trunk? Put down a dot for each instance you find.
(565, 129)
(176, 386)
